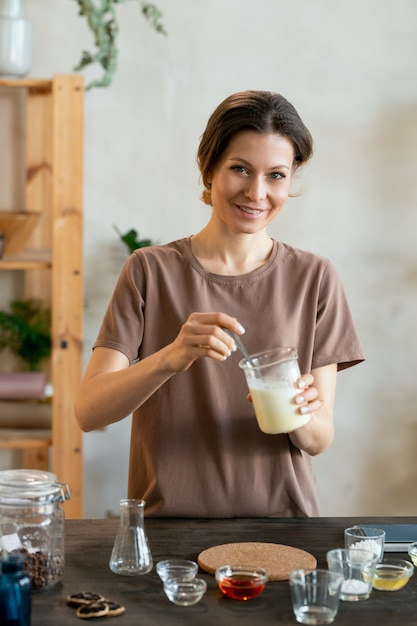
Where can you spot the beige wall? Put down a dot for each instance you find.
(350, 68)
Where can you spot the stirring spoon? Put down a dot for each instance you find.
(240, 345)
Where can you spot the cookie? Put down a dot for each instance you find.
(115, 609)
(95, 609)
(84, 597)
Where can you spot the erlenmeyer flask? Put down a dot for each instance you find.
(131, 555)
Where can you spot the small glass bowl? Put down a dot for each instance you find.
(412, 551)
(241, 582)
(181, 569)
(392, 574)
(185, 592)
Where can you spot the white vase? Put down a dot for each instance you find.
(15, 40)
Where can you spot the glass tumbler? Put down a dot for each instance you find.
(315, 595)
(357, 568)
(365, 538)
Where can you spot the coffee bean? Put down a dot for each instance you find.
(43, 569)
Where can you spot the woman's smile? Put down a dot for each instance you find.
(250, 211)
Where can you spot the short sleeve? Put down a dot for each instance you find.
(123, 322)
(336, 339)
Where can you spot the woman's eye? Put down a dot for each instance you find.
(277, 175)
(239, 168)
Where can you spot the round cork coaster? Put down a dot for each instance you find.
(279, 560)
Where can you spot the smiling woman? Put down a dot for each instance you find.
(164, 352)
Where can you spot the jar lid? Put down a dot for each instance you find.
(24, 486)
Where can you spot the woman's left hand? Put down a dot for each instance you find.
(316, 397)
(308, 397)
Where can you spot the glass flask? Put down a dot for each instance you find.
(15, 588)
(32, 522)
(131, 555)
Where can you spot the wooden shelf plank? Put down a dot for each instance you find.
(27, 260)
(22, 439)
(27, 83)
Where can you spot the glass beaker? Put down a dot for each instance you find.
(131, 555)
(272, 377)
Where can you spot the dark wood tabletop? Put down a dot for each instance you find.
(89, 544)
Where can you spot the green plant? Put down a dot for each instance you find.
(130, 239)
(25, 330)
(102, 21)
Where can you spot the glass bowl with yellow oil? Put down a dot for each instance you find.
(412, 552)
(392, 574)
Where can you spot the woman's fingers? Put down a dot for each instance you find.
(202, 335)
(307, 399)
(205, 330)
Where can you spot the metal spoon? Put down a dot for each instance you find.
(240, 345)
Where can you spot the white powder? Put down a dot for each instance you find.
(367, 544)
(353, 586)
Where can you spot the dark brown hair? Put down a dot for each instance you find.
(261, 111)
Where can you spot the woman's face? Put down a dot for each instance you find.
(251, 182)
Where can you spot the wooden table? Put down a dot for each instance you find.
(89, 544)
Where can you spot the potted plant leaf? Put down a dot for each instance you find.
(102, 21)
(131, 239)
(25, 330)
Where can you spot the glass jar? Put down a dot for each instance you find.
(32, 522)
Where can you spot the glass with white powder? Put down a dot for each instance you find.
(360, 538)
(357, 568)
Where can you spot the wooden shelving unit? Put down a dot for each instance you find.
(52, 265)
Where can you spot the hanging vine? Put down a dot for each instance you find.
(102, 21)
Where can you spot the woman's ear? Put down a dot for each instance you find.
(295, 185)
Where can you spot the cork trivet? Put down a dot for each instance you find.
(279, 560)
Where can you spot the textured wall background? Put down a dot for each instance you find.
(350, 68)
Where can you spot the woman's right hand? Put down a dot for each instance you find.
(202, 335)
(111, 389)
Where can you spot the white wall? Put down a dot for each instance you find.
(350, 68)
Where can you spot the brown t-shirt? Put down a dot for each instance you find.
(196, 449)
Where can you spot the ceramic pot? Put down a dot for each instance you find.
(15, 40)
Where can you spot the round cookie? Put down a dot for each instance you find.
(83, 597)
(95, 609)
(115, 608)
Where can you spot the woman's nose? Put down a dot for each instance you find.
(256, 189)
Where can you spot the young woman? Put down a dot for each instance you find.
(162, 354)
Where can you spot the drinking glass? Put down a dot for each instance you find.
(358, 570)
(315, 595)
(365, 538)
